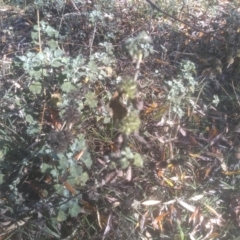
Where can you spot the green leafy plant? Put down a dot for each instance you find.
(182, 89)
(116, 117)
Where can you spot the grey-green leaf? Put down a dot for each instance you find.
(68, 86)
(33, 129)
(35, 88)
(61, 216)
(91, 99)
(29, 118)
(86, 159)
(81, 179)
(45, 167)
(74, 210)
(56, 63)
(138, 162)
(52, 44)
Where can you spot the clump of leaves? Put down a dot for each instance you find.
(138, 46)
(61, 98)
(126, 115)
(129, 88)
(55, 153)
(182, 88)
(130, 123)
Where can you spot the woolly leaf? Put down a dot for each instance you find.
(61, 216)
(54, 173)
(92, 66)
(29, 118)
(58, 53)
(124, 162)
(138, 162)
(76, 171)
(56, 63)
(68, 87)
(39, 57)
(52, 44)
(84, 177)
(79, 143)
(74, 210)
(63, 162)
(45, 167)
(59, 188)
(37, 75)
(33, 129)
(81, 179)
(91, 99)
(51, 32)
(86, 159)
(35, 88)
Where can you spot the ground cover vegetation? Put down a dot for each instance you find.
(119, 119)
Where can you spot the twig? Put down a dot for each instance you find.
(73, 234)
(39, 33)
(91, 39)
(74, 6)
(235, 93)
(139, 60)
(43, 113)
(189, 25)
(195, 103)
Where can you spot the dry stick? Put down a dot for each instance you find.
(189, 25)
(39, 34)
(225, 91)
(61, 20)
(43, 113)
(40, 50)
(74, 6)
(195, 103)
(235, 93)
(73, 234)
(91, 39)
(139, 60)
